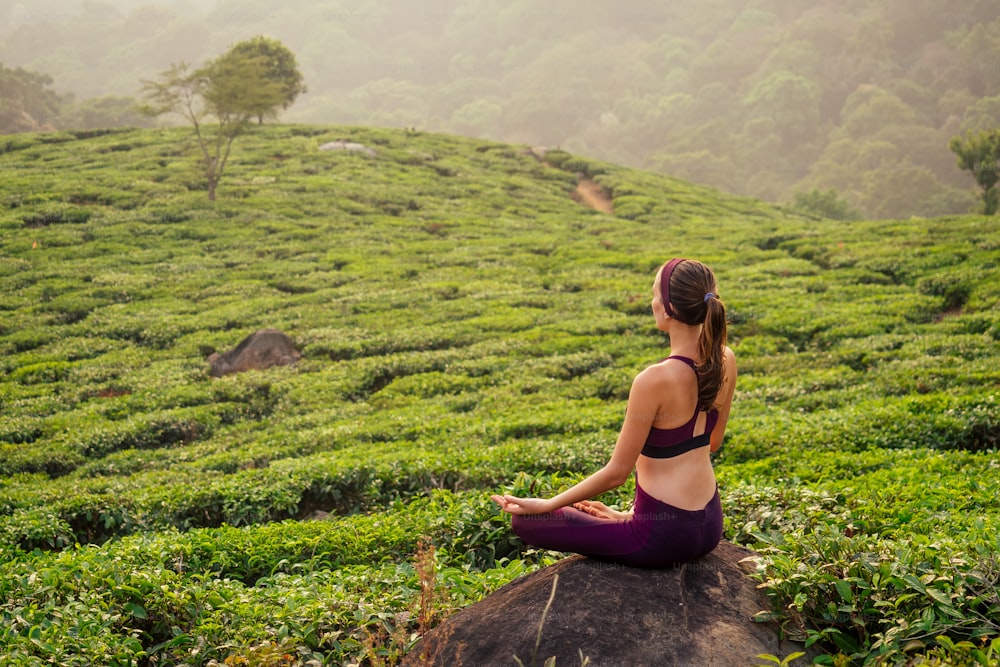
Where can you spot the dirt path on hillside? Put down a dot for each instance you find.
(593, 195)
(587, 192)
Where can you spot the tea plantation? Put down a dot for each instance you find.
(466, 328)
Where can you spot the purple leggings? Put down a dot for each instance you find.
(657, 536)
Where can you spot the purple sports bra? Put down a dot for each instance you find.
(665, 443)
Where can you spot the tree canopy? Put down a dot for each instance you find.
(980, 154)
(232, 89)
(826, 203)
(27, 104)
(279, 66)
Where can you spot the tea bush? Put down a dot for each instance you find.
(466, 328)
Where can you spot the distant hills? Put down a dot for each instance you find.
(766, 98)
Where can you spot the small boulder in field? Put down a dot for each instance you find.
(259, 350)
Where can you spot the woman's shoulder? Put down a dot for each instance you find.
(668, 372)
(729, 357)
(672, 365)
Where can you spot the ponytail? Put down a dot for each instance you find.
(689, 295)
(711, 344)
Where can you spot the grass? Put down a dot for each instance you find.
(466, 328)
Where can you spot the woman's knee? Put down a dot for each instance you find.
(522, 524)
(519, 526)
(530, 526)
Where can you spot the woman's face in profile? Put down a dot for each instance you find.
(659, 311)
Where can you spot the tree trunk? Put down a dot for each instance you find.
(991, 201)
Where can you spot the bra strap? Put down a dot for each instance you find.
(670, 452)
(693, 367)
(686, 360)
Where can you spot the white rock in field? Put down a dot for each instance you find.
(347, 146)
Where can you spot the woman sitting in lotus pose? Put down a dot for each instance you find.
(677, 412)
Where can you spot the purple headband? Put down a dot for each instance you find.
(665, 283)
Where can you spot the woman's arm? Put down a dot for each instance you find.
(639, 415)
(725, 399)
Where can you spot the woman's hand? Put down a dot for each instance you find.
(601, 511)
(515, 505)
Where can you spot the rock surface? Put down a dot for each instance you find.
(698, 614)
(349, 146)
(259, 350)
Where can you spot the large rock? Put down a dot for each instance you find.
(259, 350)
(696, 614)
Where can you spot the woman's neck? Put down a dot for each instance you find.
(684, 340)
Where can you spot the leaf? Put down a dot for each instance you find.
(899, 599)
(915, 583)
(844, 588)
(136, 610)
(939, 596)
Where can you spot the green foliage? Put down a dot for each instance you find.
(466, 328)
(57, 214)
(26, 102)
(104, 112)
(979, 154)
(947, 652)
(791, 102)
(782, 662)
(874, 597)
(251, 80)
(868, 568)
(826, 203)
(279, 66)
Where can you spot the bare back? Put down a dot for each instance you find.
(687, 481)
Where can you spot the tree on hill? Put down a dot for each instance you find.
(26, 102)
(279, 66)
(826, 203)
(980, 155)
(233, 89)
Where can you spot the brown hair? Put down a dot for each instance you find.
(694, 300)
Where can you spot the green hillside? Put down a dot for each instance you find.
(765, 98)
(466, 327)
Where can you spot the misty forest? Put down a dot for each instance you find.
(783, 101)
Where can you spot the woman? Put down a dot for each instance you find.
(677, 412)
